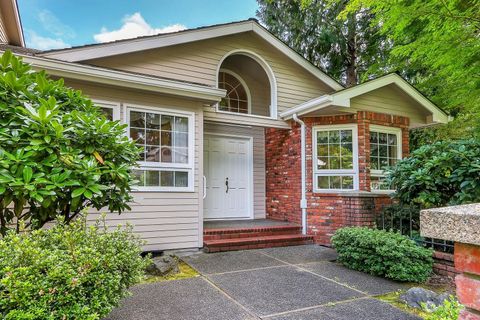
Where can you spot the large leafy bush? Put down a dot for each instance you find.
(58, 153)
(443, 173)
(382, 253)
(67, 272)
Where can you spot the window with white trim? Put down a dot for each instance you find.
(385, 151)
(238, 97)
(111, 110)
(335, 165)
(166, 142)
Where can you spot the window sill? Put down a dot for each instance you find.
(351, 193)
(166, 190)
(245, 114)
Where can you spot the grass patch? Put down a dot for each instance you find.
(393, 299)
(185, 272)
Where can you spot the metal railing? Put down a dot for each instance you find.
(406, 220)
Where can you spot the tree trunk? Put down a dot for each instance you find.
(351, 70)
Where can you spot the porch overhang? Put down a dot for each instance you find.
(340, 101)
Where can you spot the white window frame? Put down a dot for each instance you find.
(388, 130)
(335, 172)
(247, 91)
(115, 106)
(164, 166)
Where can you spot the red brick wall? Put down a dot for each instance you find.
(467, 261)
(443, 264)
(326, 211)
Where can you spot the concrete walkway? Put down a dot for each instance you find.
(279, 283)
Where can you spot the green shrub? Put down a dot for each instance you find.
(439, 174)
(448, 311)
(383, 253)
(58, 153)
(68, 271)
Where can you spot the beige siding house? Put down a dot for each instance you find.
(235, 125)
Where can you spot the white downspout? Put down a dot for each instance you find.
(303, 200)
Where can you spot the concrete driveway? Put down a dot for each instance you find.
(299, 282)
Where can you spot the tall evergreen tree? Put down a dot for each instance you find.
(345, 48)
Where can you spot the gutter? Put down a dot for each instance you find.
(308, 106)
(100, 75)
(303, 200)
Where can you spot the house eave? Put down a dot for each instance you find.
(124, 79)
(12, 22)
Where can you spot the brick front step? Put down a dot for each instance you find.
(256, 242)
(234, 233)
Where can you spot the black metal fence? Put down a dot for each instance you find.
(406, 220)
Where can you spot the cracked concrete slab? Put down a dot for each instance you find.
(274, 290)
(208, 263)
(191, 299)
(359, 309)
(301, 254)
(358, 280)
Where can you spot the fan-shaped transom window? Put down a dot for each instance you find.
(237, 98)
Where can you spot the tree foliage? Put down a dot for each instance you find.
(439, 174)
(436, 46)
(346, 49)
(58, 153)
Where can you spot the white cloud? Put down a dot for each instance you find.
(134, 26)
(53, 25)
(44, 43)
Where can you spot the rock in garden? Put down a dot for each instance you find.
(417, 297)
(163, 265)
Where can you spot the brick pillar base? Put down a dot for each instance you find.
(467, 261)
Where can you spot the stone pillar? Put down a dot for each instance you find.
(462, 225)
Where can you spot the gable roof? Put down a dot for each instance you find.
(101, 50)
(342, 98)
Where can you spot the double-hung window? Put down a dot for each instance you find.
(335, 161)
(385, 151)
(166, 140)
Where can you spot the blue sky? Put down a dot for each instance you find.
(52, 24)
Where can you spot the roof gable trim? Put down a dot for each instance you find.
(342, 98)
(146, 43)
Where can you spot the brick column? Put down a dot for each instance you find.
(462, 225)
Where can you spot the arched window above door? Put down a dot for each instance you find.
(237, 98)
(249, 82)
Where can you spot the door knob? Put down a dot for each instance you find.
(226, 184)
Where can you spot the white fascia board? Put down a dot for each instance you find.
(289, 52)
(306, 107)
(343, 97)
(123, 79)
(141, 44)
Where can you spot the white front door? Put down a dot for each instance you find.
(228, 172)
